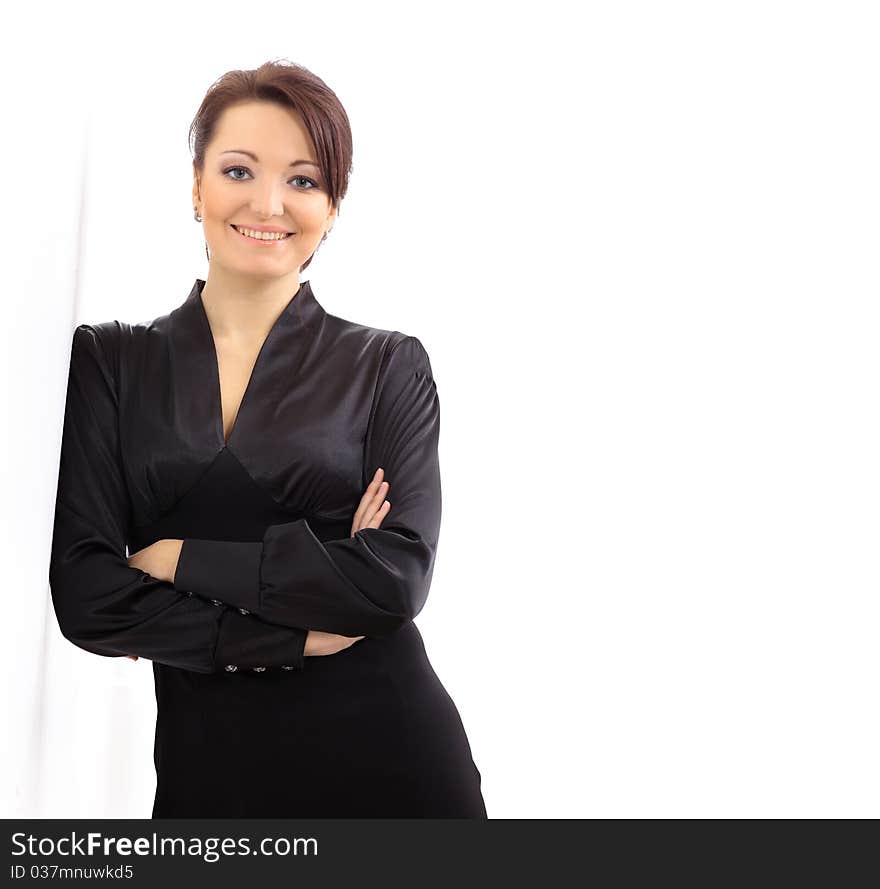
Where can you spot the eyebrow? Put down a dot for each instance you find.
(252, 155)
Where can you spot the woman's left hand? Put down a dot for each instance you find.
(159, 560)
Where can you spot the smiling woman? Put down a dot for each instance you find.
(246, 201)
(240, 448)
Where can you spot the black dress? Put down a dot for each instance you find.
(247, 726)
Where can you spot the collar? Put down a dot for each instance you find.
(301, 311)
(195, 370)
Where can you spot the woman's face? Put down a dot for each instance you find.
(281, 188)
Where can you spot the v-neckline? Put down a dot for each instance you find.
(303, 292)
(197, 412)
(227, 438)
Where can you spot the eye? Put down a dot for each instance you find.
(312, 184)
(306, 179)
(229, 170)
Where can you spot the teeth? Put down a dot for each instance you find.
(261, 236)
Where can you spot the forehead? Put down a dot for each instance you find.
(266, 129)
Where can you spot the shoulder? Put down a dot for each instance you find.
(117, 341)
(105, 340)
(389, 348)
(96, 342)
(94, 361)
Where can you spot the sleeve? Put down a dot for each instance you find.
(105, 606)
(369, 584)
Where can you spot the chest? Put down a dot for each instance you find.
(296, 421)
(235, 365)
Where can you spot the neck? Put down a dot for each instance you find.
(244, 307)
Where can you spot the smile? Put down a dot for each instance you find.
(264, 238)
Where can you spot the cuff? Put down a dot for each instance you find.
(224, 570)
(246, 643)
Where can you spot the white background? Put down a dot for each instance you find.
(639, 242)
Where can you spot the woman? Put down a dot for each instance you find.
(241, 447)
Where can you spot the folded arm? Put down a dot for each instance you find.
(373, 582)
(103, 605)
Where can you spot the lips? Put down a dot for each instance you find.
(262, 240)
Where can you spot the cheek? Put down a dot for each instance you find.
(222, 199)
(314, 216)
(309, 224)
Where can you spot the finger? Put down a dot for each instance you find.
(376, 520)
(374, 504)
(373, 507)
(369, 506)
(372, 488)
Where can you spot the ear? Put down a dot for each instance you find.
(195, 191)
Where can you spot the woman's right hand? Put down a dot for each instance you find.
(372, 509)
(319, 643)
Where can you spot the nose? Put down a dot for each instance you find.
(268, 201)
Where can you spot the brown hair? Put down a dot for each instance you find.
(294, 87)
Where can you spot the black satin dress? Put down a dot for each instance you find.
(247, 726)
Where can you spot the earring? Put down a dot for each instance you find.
(199, 219)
